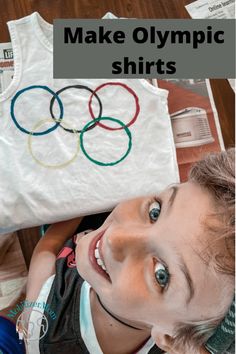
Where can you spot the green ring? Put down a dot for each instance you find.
(85, 129)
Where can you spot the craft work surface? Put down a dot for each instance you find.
(56, 100)
(13, 9)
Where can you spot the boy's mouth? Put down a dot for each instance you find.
(96, 257)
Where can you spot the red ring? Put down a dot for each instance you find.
(129, 90)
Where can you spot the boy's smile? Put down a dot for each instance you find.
(96, 255)
(154, 251)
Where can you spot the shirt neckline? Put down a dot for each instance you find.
(17, 63)
(86, 322)
(39, 24)
(87, 329)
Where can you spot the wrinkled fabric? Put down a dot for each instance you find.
(32, 194)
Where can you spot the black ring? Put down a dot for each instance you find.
(78, 87)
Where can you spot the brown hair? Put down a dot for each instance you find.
(216, 174)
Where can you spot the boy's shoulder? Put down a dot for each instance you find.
(67, 253)
(64, 299)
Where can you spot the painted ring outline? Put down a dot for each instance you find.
(129, 90)
(97, 120)
(64, 164)
(78, 87)
(13, 101)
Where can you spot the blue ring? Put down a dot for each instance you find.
(13, 101)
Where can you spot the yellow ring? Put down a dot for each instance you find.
(38, 125)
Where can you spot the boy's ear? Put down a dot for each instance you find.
(167, 343)
(164, 342)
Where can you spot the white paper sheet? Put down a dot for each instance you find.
(211, 9)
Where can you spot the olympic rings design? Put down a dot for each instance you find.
(64, 164)
(129, 90)
(98, 120)
(90, 125)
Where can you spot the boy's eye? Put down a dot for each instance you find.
(154, 211)
(161, 275)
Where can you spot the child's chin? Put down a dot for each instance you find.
(81, 273)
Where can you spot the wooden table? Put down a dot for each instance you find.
(50, 9)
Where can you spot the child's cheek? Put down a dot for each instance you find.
(109, 219)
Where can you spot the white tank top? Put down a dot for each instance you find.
(49, 173)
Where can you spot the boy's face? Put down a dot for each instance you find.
(153, 251)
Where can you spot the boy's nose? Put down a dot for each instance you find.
(125, 242)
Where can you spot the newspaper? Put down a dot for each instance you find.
(232, 84)
(194, 119)
(6, 65)
(211, 9)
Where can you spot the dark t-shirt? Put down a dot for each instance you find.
(63, 335)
